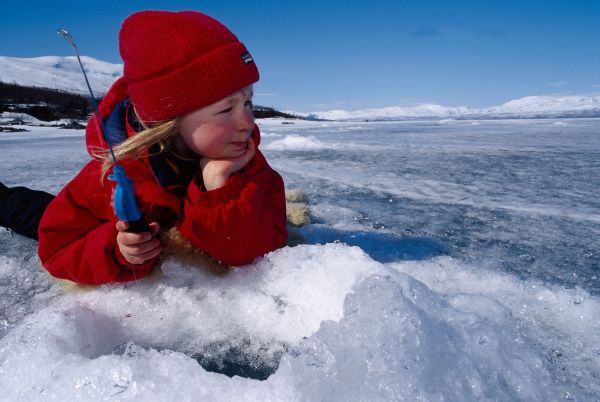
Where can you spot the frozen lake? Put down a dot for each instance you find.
(449, 260)
(518, 196)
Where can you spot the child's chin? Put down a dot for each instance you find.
(236, 153)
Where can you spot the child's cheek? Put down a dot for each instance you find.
(215, 142)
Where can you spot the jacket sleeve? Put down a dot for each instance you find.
(77, 234)
(240, 221)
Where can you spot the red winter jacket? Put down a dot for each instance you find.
(234, 224)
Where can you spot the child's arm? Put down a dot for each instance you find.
(241, 220)
(78, 234)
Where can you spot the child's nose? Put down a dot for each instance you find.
(245, 120)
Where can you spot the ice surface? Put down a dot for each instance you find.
(562, 324)
(445, 262)
(398, 340)
(518, 196)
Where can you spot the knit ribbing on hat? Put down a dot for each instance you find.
(175, 63)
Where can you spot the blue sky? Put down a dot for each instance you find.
(322, 55)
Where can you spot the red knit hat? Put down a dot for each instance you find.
(177, 62)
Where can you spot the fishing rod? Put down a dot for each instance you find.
(125, 205)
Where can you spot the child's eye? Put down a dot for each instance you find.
(249, 104)
(229, 109)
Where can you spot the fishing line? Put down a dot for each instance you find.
(125, 205)
(65, 34)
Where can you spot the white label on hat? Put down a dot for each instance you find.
(247, 58)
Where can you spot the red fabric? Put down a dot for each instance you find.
(177, 62)
(235, 224)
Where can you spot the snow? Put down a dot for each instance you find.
(443, 264)
(60, 73)
(22, 117)
(541, 104)
(24, 120)
(296, 142)
(423, 111)
(526, 107)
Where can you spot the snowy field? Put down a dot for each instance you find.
(445, 261)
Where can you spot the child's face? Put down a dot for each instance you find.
(219, 130)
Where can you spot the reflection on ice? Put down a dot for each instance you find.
(381, 246)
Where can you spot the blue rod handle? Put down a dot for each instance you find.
(125, 204)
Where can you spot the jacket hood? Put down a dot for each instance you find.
(94, 139)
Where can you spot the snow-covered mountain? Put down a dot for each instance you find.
(61, 73)
(423, 111)
(549, 105)
(527, 107)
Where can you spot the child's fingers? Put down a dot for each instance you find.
(141, 248)
(122, 226)
(129, 238)
(141, 252)
(126, 239)
(249, 154)
(251, 149)
(155, 227)
(132, 239)
(138, 248)
(143, 257)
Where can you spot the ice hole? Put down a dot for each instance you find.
(245, 358)
(256, 362)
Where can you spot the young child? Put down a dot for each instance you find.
(181, 125)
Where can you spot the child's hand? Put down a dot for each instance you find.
(215, 172)
(137, 248)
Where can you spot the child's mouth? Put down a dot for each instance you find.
(240, 145)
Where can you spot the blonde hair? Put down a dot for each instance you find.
(134, 147)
